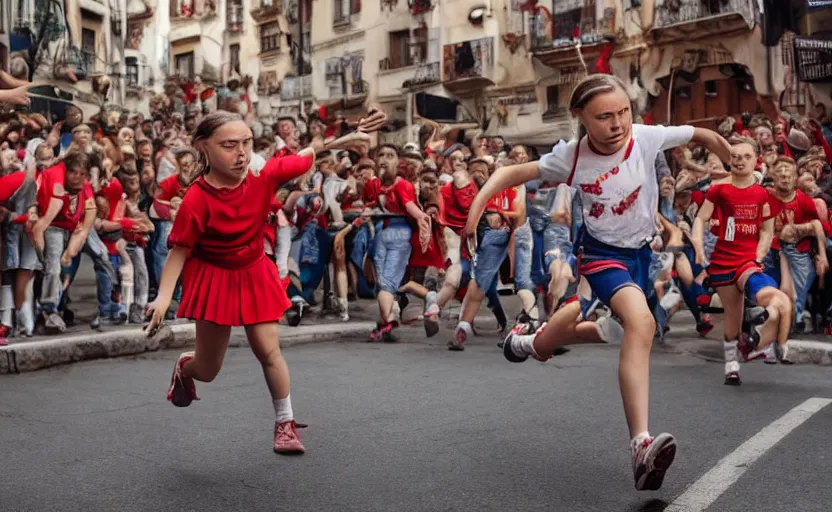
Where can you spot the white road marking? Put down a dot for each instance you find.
(702, 493)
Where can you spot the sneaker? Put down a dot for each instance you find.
(732, 373)
(783, 351)
(748, 342)
(609, 330)
(343, 309)
(95, 323)
(671, 299)
(651, 459)
(287, 438)
(432, 320)
(136, 316)
(461, 335)
(757, 315)
(54, 323)
(704, 327)
(382, 333)
(182, 389)
(520, 333)
(387, 335)
(5, 332)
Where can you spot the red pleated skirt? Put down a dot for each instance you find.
(223, 296)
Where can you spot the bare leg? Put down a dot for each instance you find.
(780, 316)
(385, 306)
(211, 344)
(415, 289)
(630, 305)
(265, 343)
(472, 302)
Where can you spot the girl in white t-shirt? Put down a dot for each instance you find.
(611, 166)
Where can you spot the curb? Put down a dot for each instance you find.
(800, 351)
(36, 355)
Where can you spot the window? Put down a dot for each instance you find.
(3, 18)
(184, 64)
(88, 48)
(334, 73)
(132, 65)
(235, 16)
(553, 108)
(270, 37)
(407, 52)
(343, 9)
(234, 51)
(710, 88)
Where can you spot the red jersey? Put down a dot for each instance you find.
(72, 211)
(434, 256)
(113, 194)
(698, 197)
(800, 210)
(503, 201)
(742, 213)
(456, 202)
(224, 226)
(372, 189)
(398, 195)
(170, 188)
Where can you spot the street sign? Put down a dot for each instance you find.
(813, 58)
(819, 4)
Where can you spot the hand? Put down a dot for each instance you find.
(468, 237)
(373, 121)
(722, 149)
(175, 203)
(66, 259)
(154, 313)
(18, 95)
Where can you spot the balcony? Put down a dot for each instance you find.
(424, 76)
(467, 66)
(697, 19)
(234, 21)
(294, 88)
(268, 10)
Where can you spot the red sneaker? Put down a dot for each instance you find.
(5, 331)
(182, 389)
(287, 438)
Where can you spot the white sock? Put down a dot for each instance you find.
(6, 305)
(523, 345)
(283, 409)
(639, 438)
(730, 349)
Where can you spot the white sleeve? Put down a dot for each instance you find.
(664, 137)
(555, 167)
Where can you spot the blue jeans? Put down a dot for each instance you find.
(159, 248)
(802, 268)
(491, 252)
(523, 251)
(392, 254)
(105, 273)
(362, 246)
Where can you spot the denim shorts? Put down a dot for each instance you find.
(18, 251)
(392, 254)
(557, 245)
(491, 252)
(608, 269)
(523, 251)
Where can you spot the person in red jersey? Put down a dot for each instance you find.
(745, 234)
(217, 246)
(794, 227)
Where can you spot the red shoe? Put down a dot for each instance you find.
(287, 438)
(704, 327)
(4, 333)
(182, 389)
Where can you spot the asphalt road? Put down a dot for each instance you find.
(406, 427)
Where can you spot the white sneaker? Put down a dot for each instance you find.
(732, 365)
(609, 330)
(461, 335)
(784, 353)
(671, 299)
(768, 354)
(651, 459)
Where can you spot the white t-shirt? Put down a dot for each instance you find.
(619, 193)
(332, 189)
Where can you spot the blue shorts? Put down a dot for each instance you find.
(608, 269)
(719, 277)
(756, 282)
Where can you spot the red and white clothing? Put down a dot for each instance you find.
(227, 279)
(394, 199)
(800, 210)
(456, 202)
(742, 212)
(74, 206)
(619, 193)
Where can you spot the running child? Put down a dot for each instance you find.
(611, 165)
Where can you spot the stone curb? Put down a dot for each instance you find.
(36, 355)
(800, 351)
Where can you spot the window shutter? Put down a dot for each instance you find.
(434, 47)
(355, 6)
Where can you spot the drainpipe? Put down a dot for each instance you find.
(123, 60)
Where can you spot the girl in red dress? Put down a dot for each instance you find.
(227, 280)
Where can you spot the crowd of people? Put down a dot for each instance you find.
(604, 238)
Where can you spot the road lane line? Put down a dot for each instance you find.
(702, 493)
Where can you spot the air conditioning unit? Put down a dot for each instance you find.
(384, 64)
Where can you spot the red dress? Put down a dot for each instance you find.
(227, 279)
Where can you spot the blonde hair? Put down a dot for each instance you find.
(590, 87)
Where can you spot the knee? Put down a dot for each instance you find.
(642, 323)
(271, 357)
